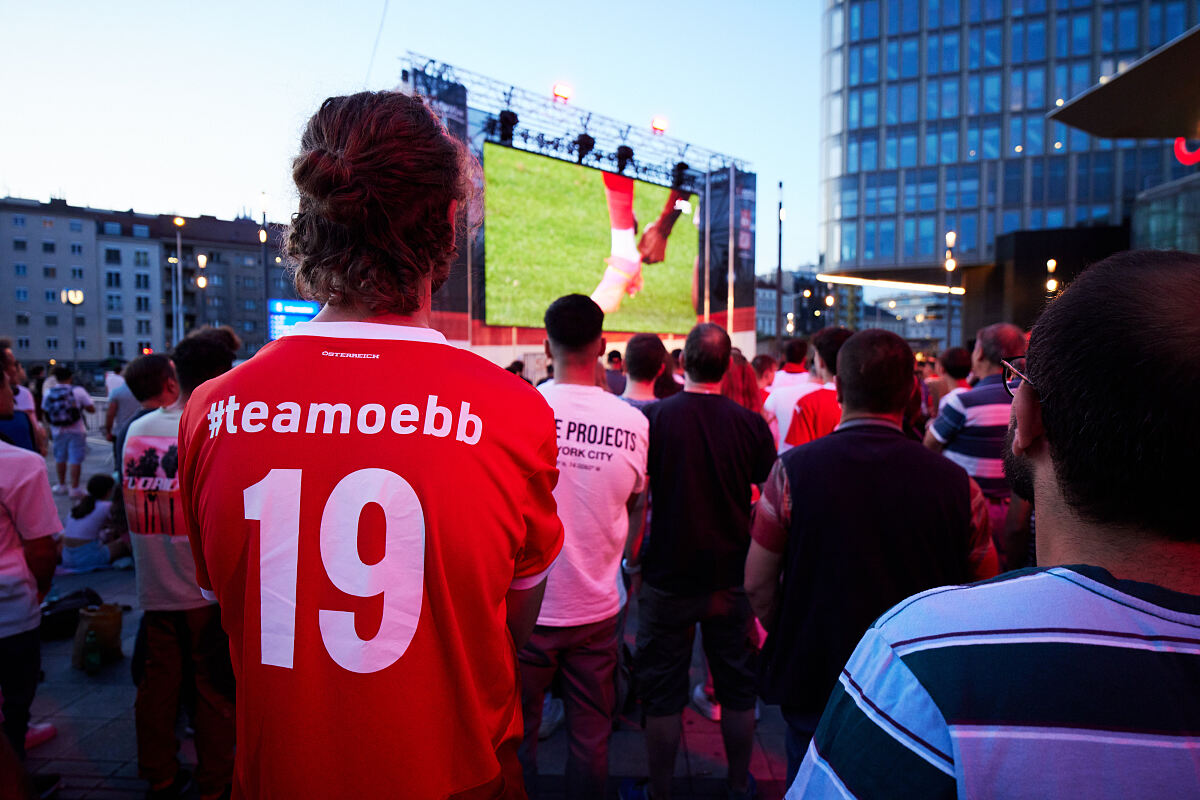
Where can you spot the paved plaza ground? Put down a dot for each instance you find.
(96, 747)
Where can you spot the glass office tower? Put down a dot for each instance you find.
(933, 120)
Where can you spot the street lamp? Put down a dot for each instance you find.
(177, 305)
(1051, 281)
(950, 265)
(73, 298)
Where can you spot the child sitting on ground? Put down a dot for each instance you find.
(84, 548)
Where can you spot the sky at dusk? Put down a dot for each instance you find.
(197, 108)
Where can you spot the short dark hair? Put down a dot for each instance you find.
(795, 351)
(222, 334)
(875, 372)
(614, 356)
(1124, 450)
(644, 356)
(573, 321)
(761, 363)
(147, 375)
(827, 342)
(956, 362)
(706, 353)
(62, 373)
(200, 358)
(376, 175)
(1001, 341)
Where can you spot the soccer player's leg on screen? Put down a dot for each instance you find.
(653, 245)
(624, 271)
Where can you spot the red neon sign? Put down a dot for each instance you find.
(1188, 158)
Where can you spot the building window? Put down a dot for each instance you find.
(216, 280)
(249, 261)
(18, 221)
(51, 320)
(141, 258)
(145, 347)
(141, 231)
(116, 325)
(112, 301)
(50, 295)
(76, 249)
(249, 326)
(116, 349)
(20, 245)
(112, 229)
(76, 226)
(141, 280)
(22, 342)
(20, 270)
(112, 255)
(80, 321)
(112, 279)
(77, 273)
(81, 344)
(49, 271)
(143, 327)
(47, 246)
(52, 343)
(22, 294)
(47, 222)
(22, 318)
(143, 303)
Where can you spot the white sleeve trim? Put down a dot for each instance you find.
(530, 581)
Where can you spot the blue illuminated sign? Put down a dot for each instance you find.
(283, 314)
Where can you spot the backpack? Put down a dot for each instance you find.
(60, 406)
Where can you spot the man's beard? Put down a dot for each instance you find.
(1017, 469)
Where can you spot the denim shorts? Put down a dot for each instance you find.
(70, 446)
(85, 557)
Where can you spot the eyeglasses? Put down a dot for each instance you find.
(1014, 373)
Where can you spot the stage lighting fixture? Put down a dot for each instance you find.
(508, 123)
(658, 125)
(562, 93)
(624, 156)
(583, 146)
(679, 176)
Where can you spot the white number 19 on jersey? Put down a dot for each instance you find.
(398, 576)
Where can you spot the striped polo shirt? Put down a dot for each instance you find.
(1043, 683)
(972, 426)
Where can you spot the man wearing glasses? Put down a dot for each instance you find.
(970, 428)
(1080, 678)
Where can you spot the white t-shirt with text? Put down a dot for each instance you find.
(602, 449)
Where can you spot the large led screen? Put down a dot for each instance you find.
(549, 231)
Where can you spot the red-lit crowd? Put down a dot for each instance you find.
(974, 578)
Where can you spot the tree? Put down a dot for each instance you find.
(170, 466)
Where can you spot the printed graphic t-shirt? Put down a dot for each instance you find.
(166, 572)
(361, 497)
(602, 444)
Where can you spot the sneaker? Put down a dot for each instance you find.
(46, 784)
(708, 707)
(58, 488)
(39, 734)
(633, 789)
(553, 715)
(178, 788)
(621, 277)
(750, 793)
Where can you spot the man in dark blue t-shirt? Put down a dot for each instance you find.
(706, 452)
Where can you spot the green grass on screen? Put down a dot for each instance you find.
(547, 234)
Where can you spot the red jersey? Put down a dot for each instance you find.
(816, 415)
(361, 497)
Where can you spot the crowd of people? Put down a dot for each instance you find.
(974, 579)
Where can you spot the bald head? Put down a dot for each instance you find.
(706, 353)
